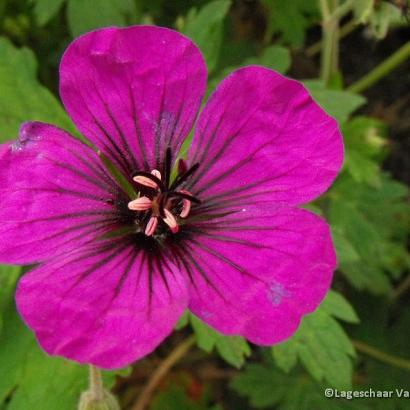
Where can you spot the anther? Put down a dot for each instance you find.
(186, 204)
(140, 204)
(171, 221)
(151, 226)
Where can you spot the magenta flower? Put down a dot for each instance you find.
(221, 235)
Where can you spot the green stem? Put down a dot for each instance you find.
(343, 32)
(383, 69)
(330, 36)
(96, 384)
(381, 356)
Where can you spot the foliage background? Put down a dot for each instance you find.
(359, 337)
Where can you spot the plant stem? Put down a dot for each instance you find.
(343, 32)
(381, 356)
(383, 69)
(161, 371)
(330, 36)
(96, 383)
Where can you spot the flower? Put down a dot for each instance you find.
(127, 237)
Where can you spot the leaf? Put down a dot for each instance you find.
(362, 10)
(83, 17)
(346, 252)
(8, 278)
(274, 57)
(233, 349)
(354, 212)
(336, 305)
(22, 97)
(290, 19)
(29, 379)
(45, 10)
(382, 17)
(205, 28)
(263, 385)
(266, 387)
(322, 346)
(339, 104)
(362, 169)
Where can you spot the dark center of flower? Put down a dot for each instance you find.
(161, 202)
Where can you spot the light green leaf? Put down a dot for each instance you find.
(87, 15)
(29, 379)
(346, 253)
(45, 10)
(339, 104)
(233, 349)
(205, 28)
(336, 305)
(275, 57)
(8, 278)
(362, 10)
(362, 169)
(22, 97)
(382, 17)
(322, 346)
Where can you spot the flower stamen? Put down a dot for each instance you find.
(140, 204)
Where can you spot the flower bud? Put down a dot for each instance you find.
(88, 401)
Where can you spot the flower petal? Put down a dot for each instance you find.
(256, 272)
(133, 91)
(54, 195)
(107, 305)
(261, 136)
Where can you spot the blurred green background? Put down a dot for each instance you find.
(357, 68)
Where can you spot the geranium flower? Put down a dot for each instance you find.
(126, 244)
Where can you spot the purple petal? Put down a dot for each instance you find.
(256, 272)
(105, 305)
(133, 91)
(54, 195)
(261, 135)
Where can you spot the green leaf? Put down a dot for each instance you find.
(322, 346)
(87, 15)
(233, 349)
(45, 10)
(22, 97)
(29, 379)
(290, 19)
(266, 387)
(339, 104)
(354, 212)
(362, 10)
(205, 28)
(8, 278)
(275, 57)
(346, 252)
(362, 169)
(382, 17)
(263, 385)
(336, 305)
